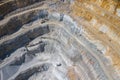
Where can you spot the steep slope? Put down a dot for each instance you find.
(59, 40)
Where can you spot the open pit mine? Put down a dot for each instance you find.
(59, 39)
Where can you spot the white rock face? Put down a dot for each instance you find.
(118, 12)
(103, 28)
(48, 45)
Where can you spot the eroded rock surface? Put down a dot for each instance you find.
(58, 40)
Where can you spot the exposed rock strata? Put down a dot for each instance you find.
(59, 40)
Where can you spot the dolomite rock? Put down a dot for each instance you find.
(42, 42)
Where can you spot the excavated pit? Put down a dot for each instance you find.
(39, 43)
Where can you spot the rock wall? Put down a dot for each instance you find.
(59, 40)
